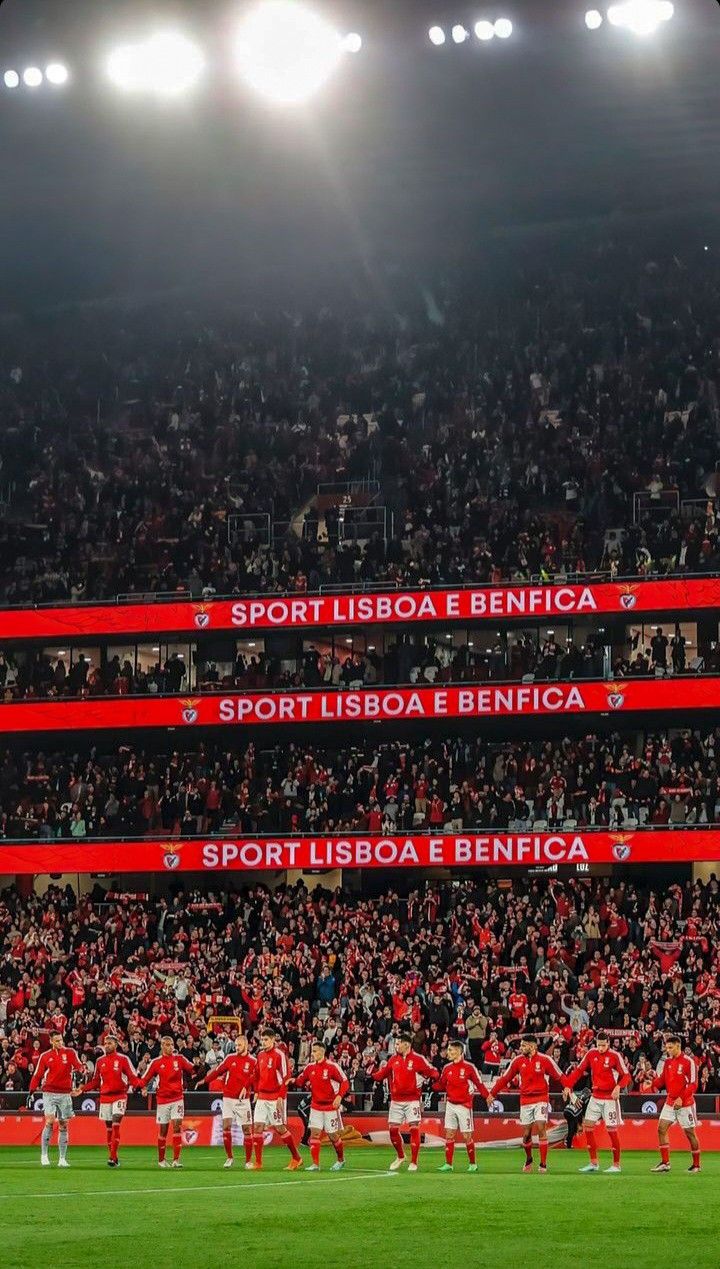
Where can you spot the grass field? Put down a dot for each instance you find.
(89, 1216)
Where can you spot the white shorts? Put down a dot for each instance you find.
(329, 1121)
(686, 1116)
(108, 1110)
(606, 1109)
(268, 1114)
(460, 1117)
(169, 1112)
(58, 1106)
(238, 1109)
(534, 1113)
(404, 1113)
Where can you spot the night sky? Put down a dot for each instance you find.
(413, 153)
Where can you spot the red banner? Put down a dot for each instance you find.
(308, 612)
(364, 1132)
(460, 850)
(505, 700)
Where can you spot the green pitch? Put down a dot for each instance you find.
(89, 1216)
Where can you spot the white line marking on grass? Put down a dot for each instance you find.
(190, 1189)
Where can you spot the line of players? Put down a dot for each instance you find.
(267, 1077)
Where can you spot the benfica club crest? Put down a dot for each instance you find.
(628, 597)
(202, 617)
(171, 855)
(189, 713)
(621, 849)
(615, 697)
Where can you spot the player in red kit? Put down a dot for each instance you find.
(169, 1069)
(237, 1074)
(459, 1081)
(679, 1077)
(114, 1075)
(533, 1071)
(54, 1075)
(271, 1081)
(405, 1072)
(328, 1085)
(609, 1074)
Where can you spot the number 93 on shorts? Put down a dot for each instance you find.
(606, 1109)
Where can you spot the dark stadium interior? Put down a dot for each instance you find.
(272, 378)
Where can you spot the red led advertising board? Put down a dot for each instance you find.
(305, 612)
(478, 849)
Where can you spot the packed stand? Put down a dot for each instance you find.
(507, 435)
(478, 960)
(620, 781)
(29, 674)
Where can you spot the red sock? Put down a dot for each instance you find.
(396, 1141)
(339, 1150)
(114, 1142)
(227, 1142)
(470, 1146)
(162, 1142)
(315, 1153)
(615, 1143)
(543, 1146)
(414, 1144)
(177, 1145)
(696, 1158)
(664, 1154)
(258, 1149)
(109, 1131)
(449, 1151)
(289, 1140)
(591, 1145)
(528, 1151)
(248, 1144)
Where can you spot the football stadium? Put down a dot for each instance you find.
(359, 634)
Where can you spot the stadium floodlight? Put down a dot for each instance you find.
(32, 77)
(167, 63)
(503, 28)
(436, 35)
(459, 33)
(56, 73)
(286, 52)
(642, 17)
(11, 79)
(593, 19)
(352, 42)
(484, 30)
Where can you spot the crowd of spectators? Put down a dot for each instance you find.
(477, 959)
(29, 674)
(620, 781)
(506, 438)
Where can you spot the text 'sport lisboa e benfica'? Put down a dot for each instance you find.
(246, 709)
(274, 854)
(307, 612)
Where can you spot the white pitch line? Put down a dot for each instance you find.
(190, 1189)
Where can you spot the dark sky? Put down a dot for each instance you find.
(411, 151)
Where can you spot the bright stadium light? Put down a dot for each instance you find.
(286, 52)
(56, 73)
(11, 79)
(167, 64)
(459, 33)
(484, 30)
(32, 77)
(352, 42)
(642, 17)
(503, 28)
(436, 35)
(593, 19)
